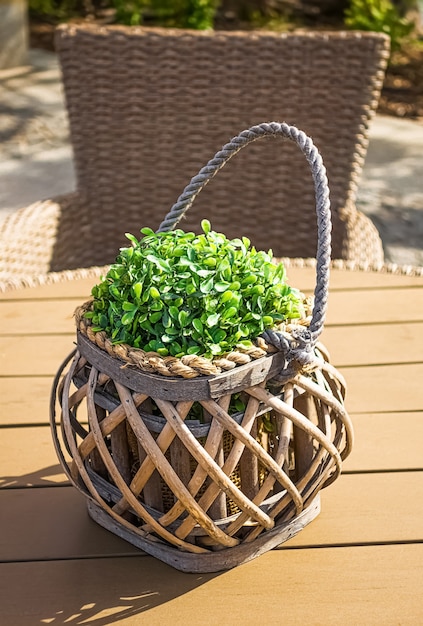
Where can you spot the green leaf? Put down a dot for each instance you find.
(219, 335)
(175, 348)
(154, 292)
(173, 331)
(191, 289)
(183, 318)
(137, 289)
(103, 321)
(205, 226)
(132, 239)
(114, 291)
(146, 325)
(147, 231)
(206, 286)
(204, 273)
(166, 320)
(198, 325)
(129, 306)
(160, 263)
(230, 312)
(215, 349)
(213, 319)
(156, 305)
(128, 317)
(155, 317)
(174, 312)
(228, 295)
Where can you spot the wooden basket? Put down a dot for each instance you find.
(207, 496)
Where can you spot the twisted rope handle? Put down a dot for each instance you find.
(305, 339)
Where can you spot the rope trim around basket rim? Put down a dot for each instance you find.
(190, 365)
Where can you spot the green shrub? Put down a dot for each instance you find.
(196, 14)
(128, 12)
(379, 16)
(179, 293)
(56, 10)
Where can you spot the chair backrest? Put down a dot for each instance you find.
(149, 107)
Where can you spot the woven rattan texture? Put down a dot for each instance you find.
(262, 479)
(149, 107)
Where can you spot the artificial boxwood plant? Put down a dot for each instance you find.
(178, 293)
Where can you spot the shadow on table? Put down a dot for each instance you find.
(90, 591)
(52, 476)
(53, 578)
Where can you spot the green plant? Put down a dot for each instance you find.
(128, 12)
(379, 16)
(57, 9)
(196, 14)
(179, 293)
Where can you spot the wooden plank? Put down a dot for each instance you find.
(375, 306)
(353, 513)
(24, 400)
(384, 389)
(363, 585)
(30, 317)
(302, 278)
(78, 289)
(344, 279)
(41, 355)
(357, 509)
(374, 345)
(345, 307)
(28, 458)
(52, 523)
(386, 441)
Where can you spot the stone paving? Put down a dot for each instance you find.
(391, 189)
(36, 158)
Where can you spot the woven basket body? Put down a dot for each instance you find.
(208, 472)
(201, 496)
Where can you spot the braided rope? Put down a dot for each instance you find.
(299, 348)
(188, 366)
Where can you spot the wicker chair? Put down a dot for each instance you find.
(148, 107)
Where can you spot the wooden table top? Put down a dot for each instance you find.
(359, 562)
